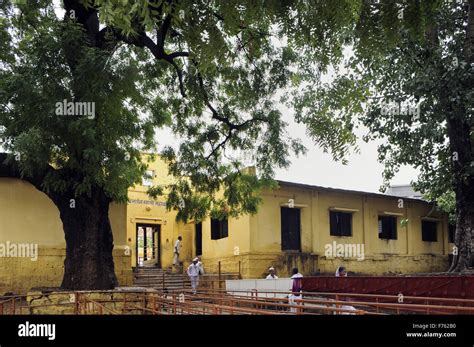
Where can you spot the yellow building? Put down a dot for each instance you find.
(318, 229)
(313, 228)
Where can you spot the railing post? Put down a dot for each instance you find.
(240, 272)
(124, 309)
(298, 307)
(76, 303)
(219, 275)
(174, 304)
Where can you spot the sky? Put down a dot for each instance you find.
(363, 172)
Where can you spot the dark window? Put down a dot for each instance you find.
(290, 229)
(340, 223)
(428, 231)
(387, 228)
(451, 233)
(198, 239)
(219, 229)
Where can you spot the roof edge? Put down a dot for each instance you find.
(348, 191)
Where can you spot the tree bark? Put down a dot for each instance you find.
(89, 261)
(459, 130)
(462, 156)
(462, 254)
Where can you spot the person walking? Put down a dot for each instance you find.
(176, 251)
(296, 289)
(194, 270)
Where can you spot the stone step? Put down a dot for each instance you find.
(152, 277)
(177, 283)
(159, 281)
(160, 288)
(158, 271)
(168, 279)
(160, 276)
(157, 278)
(159, 285)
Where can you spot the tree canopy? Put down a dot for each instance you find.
(213, 71)
(408, 79)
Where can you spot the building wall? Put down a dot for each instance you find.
(265, 236)
(28, 216)
(407, 254)
(229, 251)
(142, 209)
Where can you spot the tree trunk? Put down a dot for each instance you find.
(459, 132)
(462, 254)
(460, 143)
(89, 242)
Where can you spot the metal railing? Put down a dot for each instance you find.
(222, 302)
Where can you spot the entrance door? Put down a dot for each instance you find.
(198, 239)
(148, 245)
(290, 229)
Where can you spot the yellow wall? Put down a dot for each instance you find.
(229, 250)
(408, 253)
(154, 212)
(29, 216)
(266, 234)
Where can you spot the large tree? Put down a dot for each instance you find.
(212, 71)
(408, 78)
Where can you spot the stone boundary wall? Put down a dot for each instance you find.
(255, 265)
(19, 275)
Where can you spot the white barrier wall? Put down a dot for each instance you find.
(259, 285)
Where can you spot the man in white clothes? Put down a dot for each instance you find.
(176, 251)
(296, 289)
(194, 270)
(271, 274)
(341, 272)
